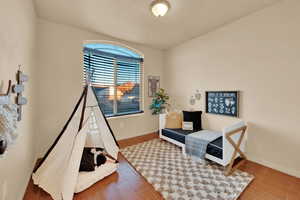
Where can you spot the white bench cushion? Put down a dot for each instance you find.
(87, 179)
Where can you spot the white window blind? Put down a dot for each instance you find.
(116, 79)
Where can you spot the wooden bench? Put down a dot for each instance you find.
(224, 150)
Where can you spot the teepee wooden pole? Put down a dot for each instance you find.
(83, 107)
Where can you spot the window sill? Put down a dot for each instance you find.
(126, 116)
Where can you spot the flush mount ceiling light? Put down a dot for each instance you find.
(159, 7)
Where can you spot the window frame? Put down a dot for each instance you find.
(141, 90)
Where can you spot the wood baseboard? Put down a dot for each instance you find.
(138, 139)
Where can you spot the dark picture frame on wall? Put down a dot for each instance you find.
(153, 85)
(222, 103)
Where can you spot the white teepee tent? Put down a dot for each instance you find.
(87, 127)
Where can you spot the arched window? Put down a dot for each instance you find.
(116, 76)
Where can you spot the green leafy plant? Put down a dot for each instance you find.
(159, 102)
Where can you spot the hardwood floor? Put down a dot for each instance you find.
(127, 184)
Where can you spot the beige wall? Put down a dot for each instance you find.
(260, 56)
(17, 42)
(60, 81)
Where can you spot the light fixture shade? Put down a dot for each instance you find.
(159, 7)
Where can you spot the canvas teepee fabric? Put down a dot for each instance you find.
(87, 127)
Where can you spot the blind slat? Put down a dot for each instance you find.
(127, 85)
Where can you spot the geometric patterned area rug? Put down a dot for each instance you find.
(178, 177)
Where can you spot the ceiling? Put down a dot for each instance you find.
(131, 20)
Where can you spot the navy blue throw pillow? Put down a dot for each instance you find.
(195, 117)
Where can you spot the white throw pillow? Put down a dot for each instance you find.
(187, 126)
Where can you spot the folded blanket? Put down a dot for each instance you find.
(196, 143)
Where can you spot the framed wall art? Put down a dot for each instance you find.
(222, 103)
(153, 85)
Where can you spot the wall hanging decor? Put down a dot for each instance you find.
(4, 100)
(195, 98)
(5, 97)
(153, 85)
(10, 112)
(192, 100)
(198, 95)
(19, 89)
(222, 103)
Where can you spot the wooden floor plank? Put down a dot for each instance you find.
(127, 184)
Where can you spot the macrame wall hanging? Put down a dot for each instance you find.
(11, 112)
